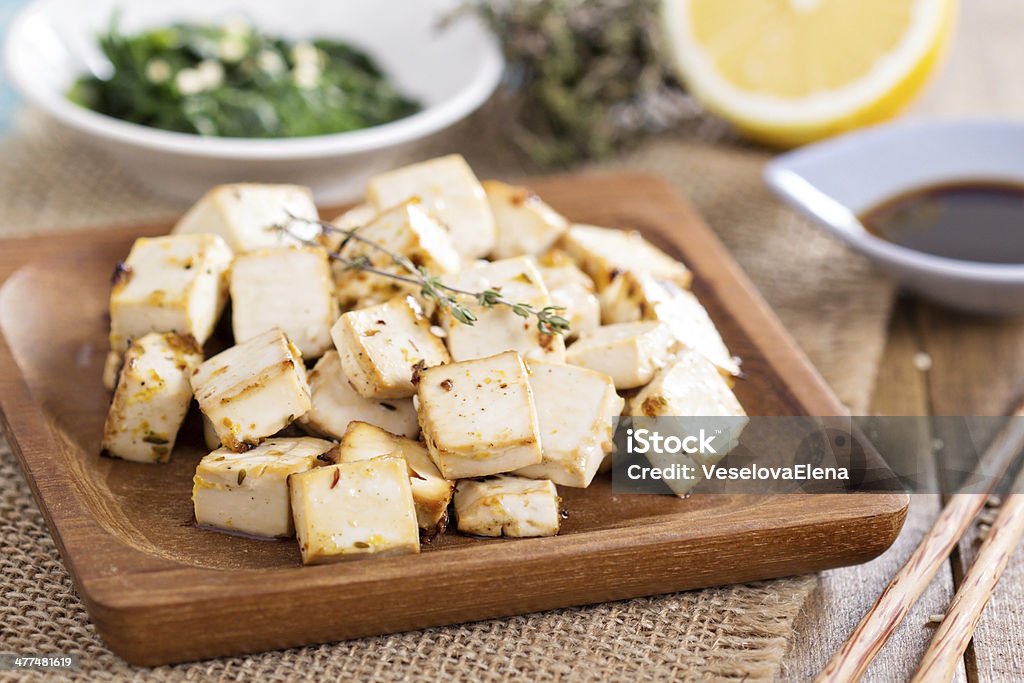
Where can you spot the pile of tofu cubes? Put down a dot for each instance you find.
(350, 412)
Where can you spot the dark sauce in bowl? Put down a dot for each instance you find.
(981, 221)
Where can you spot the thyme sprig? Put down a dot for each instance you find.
(549, 318)
(584, 77)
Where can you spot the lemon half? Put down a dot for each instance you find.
(786, 72)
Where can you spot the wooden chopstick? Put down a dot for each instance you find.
(957, 627)
(892, 606)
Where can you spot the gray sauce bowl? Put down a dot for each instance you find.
(835, 181)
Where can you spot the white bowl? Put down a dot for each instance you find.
(835, 181)
(451, 71)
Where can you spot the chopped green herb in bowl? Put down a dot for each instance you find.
(234, 81)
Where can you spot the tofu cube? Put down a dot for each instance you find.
(555, 257)
(478, 416)
(112, 369)
(633, 296)
(498, 328)
(448, 189)
(357, 217)
(210, 438)
(576, 408)
(177, 283)
(379, 347)
(354, 509)
(525, 224)
(252, 390)
(691, 386)
(630, 353)
(151, 398)
(406, 229)
(247, 493)
(507, 506)
(431, 493)
(336, 404)
(573, 290)
(244, 214)
(288, 288)
(603, 253)
(639, 296)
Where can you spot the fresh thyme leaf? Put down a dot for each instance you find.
(522, 310)
(461, 313)
(550, 323)
(488, 298)
(358, 263)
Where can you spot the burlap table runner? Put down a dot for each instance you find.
(829, 299)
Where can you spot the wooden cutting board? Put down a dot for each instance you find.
(160, 590)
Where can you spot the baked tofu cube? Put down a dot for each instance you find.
(525, 224)
(210, 438)
(571, 289)
(603, 253)
(380, 346)
(691, 386)
(507, 506)
(112, 369)
(176, 283)
(576, 408)
(335, 405)
(353, 510)
(288, 288)
(630, 353)
(151, 398)
(431, 492)
(498, 328)
(639, 296)
(449, 190)
(356, 217)
(478, 416)
(556, 257)
(247, 493)
(245, 214)
(252, 390)
(407, 229)
(634, 296)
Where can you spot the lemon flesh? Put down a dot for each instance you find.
(787, 72)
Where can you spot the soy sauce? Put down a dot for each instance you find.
(978, 221)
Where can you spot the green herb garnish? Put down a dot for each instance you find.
(234, 81)
(550, 320)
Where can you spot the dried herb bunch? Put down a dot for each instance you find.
(588, 74)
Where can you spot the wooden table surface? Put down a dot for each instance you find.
(977, 368)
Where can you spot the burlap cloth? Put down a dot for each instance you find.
(830, 300)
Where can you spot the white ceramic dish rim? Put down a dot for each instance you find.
(842, 222)
(431, 119)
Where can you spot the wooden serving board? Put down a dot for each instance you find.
(160, 590)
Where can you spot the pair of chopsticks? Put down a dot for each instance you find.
(958, 625)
